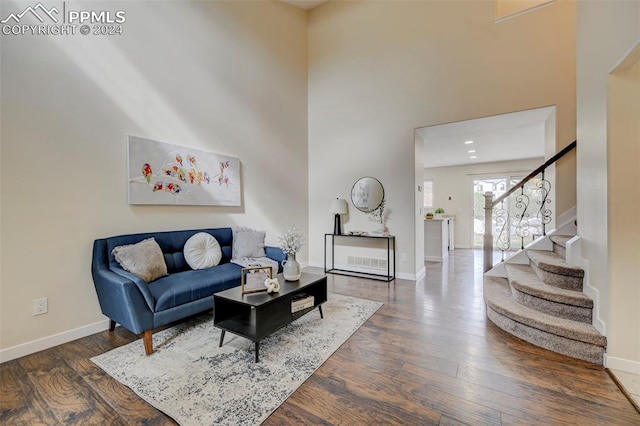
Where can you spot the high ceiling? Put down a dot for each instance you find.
(513, 136)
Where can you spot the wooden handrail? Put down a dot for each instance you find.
(536, 172)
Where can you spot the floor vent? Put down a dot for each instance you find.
(367, 262)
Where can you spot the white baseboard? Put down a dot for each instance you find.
(622, 364)
(593, 293)
(567, 217)
(51, 341)
(435, 259)
(407, 276)
(316, 265)
(574, 251)
(422, 272)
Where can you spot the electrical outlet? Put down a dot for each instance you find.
(40, 306)
(404, 257)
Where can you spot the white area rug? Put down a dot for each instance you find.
(195, 382)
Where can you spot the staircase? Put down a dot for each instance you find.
(542, 302)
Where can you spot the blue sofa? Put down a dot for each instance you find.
(140, 307)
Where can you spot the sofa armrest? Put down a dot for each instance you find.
(119, 294)
(121, 300)
(276, 253)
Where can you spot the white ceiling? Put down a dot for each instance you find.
(304, 4)
(503, 137)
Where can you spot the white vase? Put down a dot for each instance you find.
(291, 268)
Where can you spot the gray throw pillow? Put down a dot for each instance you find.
(144, 259)
(248, 243)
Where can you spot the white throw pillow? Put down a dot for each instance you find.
(145, 259)
(202, 251)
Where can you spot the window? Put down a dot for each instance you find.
(428, 193)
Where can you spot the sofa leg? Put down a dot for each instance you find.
(112, 325)
(147, 338)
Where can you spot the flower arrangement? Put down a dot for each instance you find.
(290, 241)
(378, 214)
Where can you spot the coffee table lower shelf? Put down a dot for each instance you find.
(238, 326)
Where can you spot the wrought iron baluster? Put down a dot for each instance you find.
(495, 208)
(522, 217)
(503, 237)
(544, 213)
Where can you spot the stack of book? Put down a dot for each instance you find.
(300, 302)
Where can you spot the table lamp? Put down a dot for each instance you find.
(338, 207)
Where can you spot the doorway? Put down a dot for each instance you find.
(453, 155)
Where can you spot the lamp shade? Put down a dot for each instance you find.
(338, 206)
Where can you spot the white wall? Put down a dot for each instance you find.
(456, 182)
(418, 204)
(227, 77)
(606, 32)
(624, 227)
(378, 70)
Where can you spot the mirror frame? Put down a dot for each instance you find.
(366, 210)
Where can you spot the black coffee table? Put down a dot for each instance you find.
(257, 315)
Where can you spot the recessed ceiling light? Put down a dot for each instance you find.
(471, 151)
(468, 142)
(473, 156)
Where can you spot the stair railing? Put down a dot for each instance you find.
(512, 211)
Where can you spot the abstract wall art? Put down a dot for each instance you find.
(163, 173)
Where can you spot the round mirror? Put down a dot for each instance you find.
(367, 194)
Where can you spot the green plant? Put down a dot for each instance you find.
(439, 210)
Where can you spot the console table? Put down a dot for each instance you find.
(391, 256)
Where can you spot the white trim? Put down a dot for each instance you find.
(622, 364)
(628, 60)
(522, 12)
(422, 272)
(567, 217)
(593, 293)
(574, 251)
(406, 276)
(51, 341)
(435, 258)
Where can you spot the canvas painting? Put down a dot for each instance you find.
(163, 173)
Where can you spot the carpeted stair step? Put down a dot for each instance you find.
(567, 337)
(553, 270)
(560, 244)
(529, 290)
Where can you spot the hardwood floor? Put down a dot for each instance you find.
(428, 356)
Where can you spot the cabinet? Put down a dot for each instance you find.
(438, 238)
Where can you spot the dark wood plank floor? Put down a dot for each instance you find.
(428, 356)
